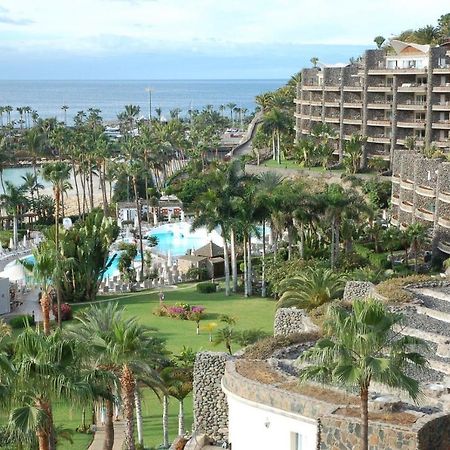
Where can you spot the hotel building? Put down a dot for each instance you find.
(391, 95)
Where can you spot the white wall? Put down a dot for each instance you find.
(4, 296)
(256, 426)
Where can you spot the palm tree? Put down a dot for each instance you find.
(314, 60)
(65, 108)
(13, 200)
(231, 107)
(416, 234)
(276, 122)
(353, 152)
(379, 40)
(362, 346)
(31, 184)
(57, 173)
(33, 141)
(311, 289)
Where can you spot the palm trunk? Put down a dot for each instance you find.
(226, 264)
(15, 232)
(233, 259)
(181, 430)
(108, 443)
(58, 288)
(263, 261)
(364, 393)
(165, 420)
(103, 186)
(302, 241)
(35, 177)
(278, 147)
(2, 181)
(138, 209)
(128, 386)
(45, 305)
(139, 419)
(249, 266)
(76, 189)
(91, 184)
(245, 266)
(274, 150)
(289, 230)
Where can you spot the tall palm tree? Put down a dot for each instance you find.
(57, 174)
(34, 141)
(13, 201)
(31, 184)
(416, 234)
(276, 122)
(361, 346)
(311, 289)
(65, 108)
(353, 152)
(231, 107)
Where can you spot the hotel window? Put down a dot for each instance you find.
(296, 441)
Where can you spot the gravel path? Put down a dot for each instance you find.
(425, 323)
(434, 303)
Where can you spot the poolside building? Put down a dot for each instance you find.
(389, 96)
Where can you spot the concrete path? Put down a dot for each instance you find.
(119, 436)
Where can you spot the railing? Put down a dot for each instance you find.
(444, 196)
(424, 214)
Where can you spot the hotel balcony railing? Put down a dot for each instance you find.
(442, 144)
(407, 184)
(332, 88)
(355, 88)
(379, 139)
(379, 122)
(352, 120)
(444, 247)
(356, 105)
(395, 200)
(379, 88)
(444, 222)
(425, 191)
(444, 197)
(312, 87)
(442, 88)
(412, 105)
(416, 123)
(443, 68)
(407, 207)
(412, 87)
(424, 214)
(442, 106)
(383, 69)
(441, 125)
(394, 221)
(379, 105)
(332, 103)
(395, 179)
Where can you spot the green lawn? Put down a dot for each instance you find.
(250, 313)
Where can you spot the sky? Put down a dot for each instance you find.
(193, 39)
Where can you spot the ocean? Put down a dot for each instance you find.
(47, 97)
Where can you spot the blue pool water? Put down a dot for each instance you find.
(178, 243)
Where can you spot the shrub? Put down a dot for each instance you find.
(66, 311)
(264, 348)
(393, 289)
(197, 274)
(206, 287)
(160, 311)
(21, 321)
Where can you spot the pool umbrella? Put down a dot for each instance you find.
(25, 242)
(15, 272)
(11, 243)
(169, 258)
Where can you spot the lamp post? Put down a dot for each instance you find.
(149, 90)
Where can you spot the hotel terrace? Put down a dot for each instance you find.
(392, 94)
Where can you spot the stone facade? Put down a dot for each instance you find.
(292, 321)
(210, 404)
(355, 290)
(382, 98)
(421, 194)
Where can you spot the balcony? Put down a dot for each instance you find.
(316, 118)
(379, 122)
(412, 87)
(444, 197)
(379, 139)
(332, 104)
(442, 144)
(395, 200)
(330, 119)
(356, 105)
(425, 191)
(312, 87)
(352, 120)
(444, 247)
(406, 207)
(441, 106)
(443, 222)
(407, 184)
(298, 101)
(332, 88)
(412, 106)
(379, 105)
(419, 124)
(394, 221)
(315, 102)
(424, 214)
(398, 71)
(380, 88)
(352, 88)
(442, 69)
(442, 88)
(441, 125)
(395, 179)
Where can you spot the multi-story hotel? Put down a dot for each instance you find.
(387, 97)
(421, 194)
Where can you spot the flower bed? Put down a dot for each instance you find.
(183, 311)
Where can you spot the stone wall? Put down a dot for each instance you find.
(210, 404)
(435, 434)
(355, 290)
(291, 321)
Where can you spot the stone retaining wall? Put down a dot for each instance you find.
(291, 321)
(210, 404)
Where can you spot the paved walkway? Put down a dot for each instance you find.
(119, 436)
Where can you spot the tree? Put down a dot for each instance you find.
(314, 60)
(13, 200)
(313, 288)
(353, 152)
(57, 173)
(276, 122)
(416, 234)
(362, 346)
(379, 40)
